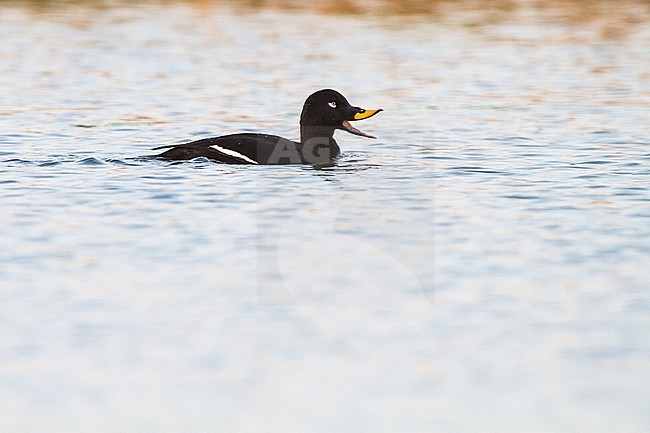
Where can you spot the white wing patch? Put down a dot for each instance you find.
(233, 154)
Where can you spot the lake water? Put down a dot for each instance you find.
(481, 266)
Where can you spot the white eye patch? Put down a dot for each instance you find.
(332, 104)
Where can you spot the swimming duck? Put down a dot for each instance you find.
(324, 112)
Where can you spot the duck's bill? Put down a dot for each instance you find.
(365, 114)
(352, 130)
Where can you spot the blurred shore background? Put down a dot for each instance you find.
(616, 16)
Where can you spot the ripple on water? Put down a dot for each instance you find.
(49, 163)
(476, 170)
(18, 161)
(91, 161)
(522, 196)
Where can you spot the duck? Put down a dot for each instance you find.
(324, 112)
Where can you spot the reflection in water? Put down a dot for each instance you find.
(486, 255)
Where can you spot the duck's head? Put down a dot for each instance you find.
(326, 111)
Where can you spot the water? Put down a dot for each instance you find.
(482, 266)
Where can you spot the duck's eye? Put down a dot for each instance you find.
(332, 104)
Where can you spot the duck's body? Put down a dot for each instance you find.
(248, 148)
(323, 113)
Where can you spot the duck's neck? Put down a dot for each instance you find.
(324, 133)
(318, 144)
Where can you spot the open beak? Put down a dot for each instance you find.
(362, 114)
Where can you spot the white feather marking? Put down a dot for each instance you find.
(233, 153)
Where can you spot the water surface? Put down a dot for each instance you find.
(482, 266)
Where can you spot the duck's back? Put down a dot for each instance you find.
(248, 148)
(244, 148)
